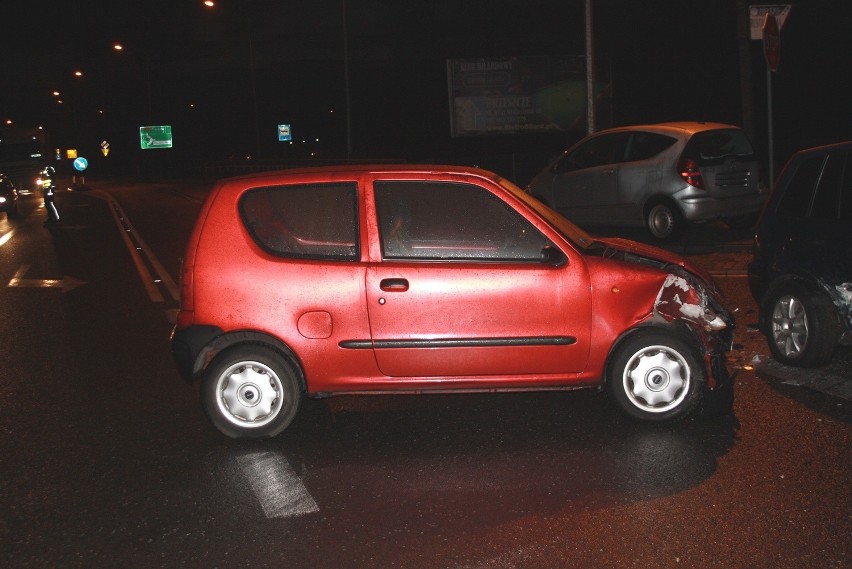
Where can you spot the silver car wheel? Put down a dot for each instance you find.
(656, 379)
(248, 394)
(661, 221)
(789, 326)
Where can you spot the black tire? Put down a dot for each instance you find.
(800, 324)
(664, 220)
(12, 212)
(655, 376)
(250, 392)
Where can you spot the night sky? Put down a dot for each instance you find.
(224, 78)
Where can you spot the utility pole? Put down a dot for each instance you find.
(590, 71)
(744, 47)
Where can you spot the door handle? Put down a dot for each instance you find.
(394, 285)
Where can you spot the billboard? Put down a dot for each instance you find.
(155, 137)
(513, 95)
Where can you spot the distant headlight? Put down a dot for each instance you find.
(39, 182)
(2, 199)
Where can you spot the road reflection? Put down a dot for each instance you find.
(472, 461)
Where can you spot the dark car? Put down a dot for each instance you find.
(8, 197)
(801, 274)
(431, 279)
(660, 176)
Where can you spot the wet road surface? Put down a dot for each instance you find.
(108, 460)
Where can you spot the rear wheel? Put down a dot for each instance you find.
(655, 376)
(664, 221)
(802, 328)
(250, 391)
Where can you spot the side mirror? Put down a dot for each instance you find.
(550, 255)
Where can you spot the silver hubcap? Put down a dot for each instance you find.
(790, 326)
(249, 394)
(656, 379)
(661, 221)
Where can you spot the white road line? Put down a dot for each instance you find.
(6, 236)
(66, 283)
(277, 487)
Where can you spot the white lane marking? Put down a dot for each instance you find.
(276, 486)
(66, 283)
(6, 236)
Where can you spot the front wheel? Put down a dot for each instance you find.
(655, 376)
(802, 328)
(250, 392)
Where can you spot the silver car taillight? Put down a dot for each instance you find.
(688, 170)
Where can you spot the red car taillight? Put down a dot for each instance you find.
(688, 170)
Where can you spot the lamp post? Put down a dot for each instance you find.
(346, 81)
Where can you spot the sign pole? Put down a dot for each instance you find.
(772, 53)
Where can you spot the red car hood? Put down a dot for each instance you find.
(658, 254)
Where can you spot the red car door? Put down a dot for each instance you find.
(462, 290)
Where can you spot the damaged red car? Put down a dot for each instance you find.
(408, 279)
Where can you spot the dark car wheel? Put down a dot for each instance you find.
(250, 391)
(664, 221)
(802, 327)
(655, 376)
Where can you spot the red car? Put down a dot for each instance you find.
(429, 279)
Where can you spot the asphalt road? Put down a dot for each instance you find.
(108, 460)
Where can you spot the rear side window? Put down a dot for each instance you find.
(715, 146)
(317, 221)
(832, 188)
(452, 222)
(645, 145)
(597, 151)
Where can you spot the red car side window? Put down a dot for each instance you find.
(451, 221)
(308, 221)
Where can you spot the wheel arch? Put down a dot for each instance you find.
(656, 199)
(677, 329)
(217, 343)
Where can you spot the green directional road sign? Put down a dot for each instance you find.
(155, 137)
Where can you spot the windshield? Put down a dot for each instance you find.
(568, 230)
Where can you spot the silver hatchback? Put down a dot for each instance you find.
(661, 176)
